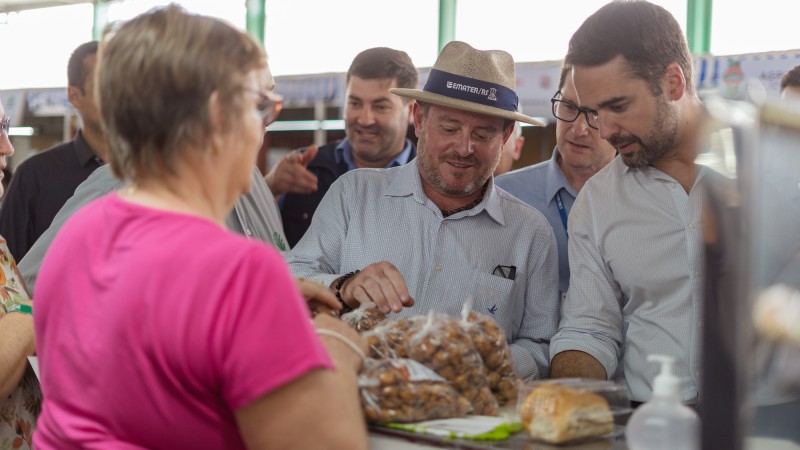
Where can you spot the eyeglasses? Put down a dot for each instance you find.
(5, 125)
(568, 112)
(269, 105)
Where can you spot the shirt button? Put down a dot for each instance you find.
(438, 268)
(692, 226)
(248, 232)
(672, 185)
(305, 216)
(698, 274)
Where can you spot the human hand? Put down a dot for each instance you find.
(380, 283)
(319, 297)
(335, 341)
(292, 175)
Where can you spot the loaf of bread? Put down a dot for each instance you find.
(558, 414)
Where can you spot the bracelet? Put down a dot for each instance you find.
(339, 284)
(20, 308)
(348, 342)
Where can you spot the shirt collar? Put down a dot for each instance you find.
(656, 174)
(409, 183)
(344, 152)
(84, 153)
(555, 180)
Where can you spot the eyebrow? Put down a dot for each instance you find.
(377, 100)
(611, 102)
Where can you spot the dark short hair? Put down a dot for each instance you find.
(385, 63)
(791, 78)
(646, 35)
(76, 69)
(565, 70)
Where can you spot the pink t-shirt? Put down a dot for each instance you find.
(154, 327)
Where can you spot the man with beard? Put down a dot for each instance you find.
(436, 233)
(376, 124)
(635, 244)
(43, 183)
(551, 186)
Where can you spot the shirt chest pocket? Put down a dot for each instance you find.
(492, 294)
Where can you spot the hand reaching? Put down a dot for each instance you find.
(291, 174)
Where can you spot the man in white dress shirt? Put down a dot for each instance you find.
(635, 244)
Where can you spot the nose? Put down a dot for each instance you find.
(365, 117)
(580, 127)
(6, 149)
(465, 146)
(607, 129)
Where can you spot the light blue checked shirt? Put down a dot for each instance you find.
(636, 286)
(538, 186)
(373, 215)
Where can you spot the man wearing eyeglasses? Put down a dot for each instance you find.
(551, 186)
(44, 182)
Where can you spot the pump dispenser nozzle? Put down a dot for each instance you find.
(665, 384)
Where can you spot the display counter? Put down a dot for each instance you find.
(390, 439)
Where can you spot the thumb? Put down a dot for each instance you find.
(308, 155)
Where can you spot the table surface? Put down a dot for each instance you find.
(391, 439)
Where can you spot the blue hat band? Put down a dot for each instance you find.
(471, 90)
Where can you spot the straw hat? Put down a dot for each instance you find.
(480, 81)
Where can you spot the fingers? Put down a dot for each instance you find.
(315, 292)
(309, 154)
(290, 175)
(382, 284)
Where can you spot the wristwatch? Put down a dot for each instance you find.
(20, 308)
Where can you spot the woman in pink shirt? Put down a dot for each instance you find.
(157, 327)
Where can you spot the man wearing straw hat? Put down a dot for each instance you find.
(436, 232)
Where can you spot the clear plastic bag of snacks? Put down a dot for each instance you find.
(403, 390)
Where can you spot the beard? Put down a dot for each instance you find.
(429, 170)
(658, 142)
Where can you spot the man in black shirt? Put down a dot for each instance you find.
(44, 182)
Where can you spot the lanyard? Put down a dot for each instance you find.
(562, 212)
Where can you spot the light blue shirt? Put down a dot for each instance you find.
(344, 151)
(373, 215)
(538, 186)
(636, 257)
(255, 215)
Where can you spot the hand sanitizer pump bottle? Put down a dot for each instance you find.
(664, 423)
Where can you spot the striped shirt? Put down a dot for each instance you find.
(538, 186)
(373, 215)
(636, 262)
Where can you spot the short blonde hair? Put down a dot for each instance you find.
(155, 76)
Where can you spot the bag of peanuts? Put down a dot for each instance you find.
(365, 317)
(403, 390)
(490, 342)
(388, 339)
(440, 343)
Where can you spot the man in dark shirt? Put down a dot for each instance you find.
(376, 124)
(44, 182)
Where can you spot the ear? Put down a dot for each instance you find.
(675, 80)
(216, 117)
(411, 105)
(518, 148)
(75, 96)
(507, 132)
(416, 113)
